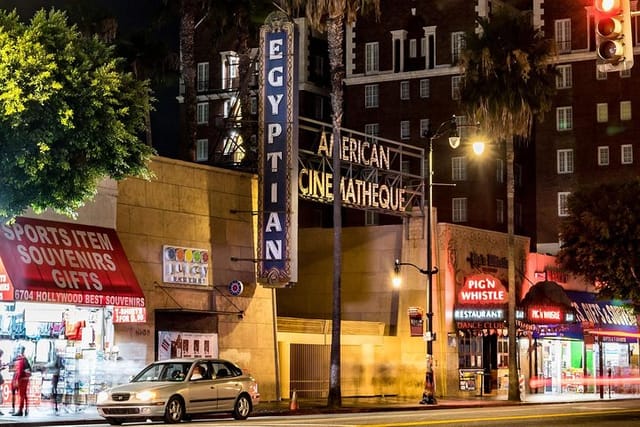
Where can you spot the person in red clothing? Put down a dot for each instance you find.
(22, 372)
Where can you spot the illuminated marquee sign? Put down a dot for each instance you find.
(357, 191)
(278, 160)
(479, 314)
(549, 315)
(376, 174)
(482, 289)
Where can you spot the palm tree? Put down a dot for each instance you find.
(508, 81)
(331, 16)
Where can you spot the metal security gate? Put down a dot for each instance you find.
(310, 370)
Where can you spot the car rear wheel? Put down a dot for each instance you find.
(174, 411)
(242, 408)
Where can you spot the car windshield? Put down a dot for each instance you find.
(175, 371)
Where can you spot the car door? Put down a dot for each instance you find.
(227, 385)
(203, 394)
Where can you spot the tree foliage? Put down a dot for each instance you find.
(68, 116)
(601, 238)
(508, 75)
(508, 81)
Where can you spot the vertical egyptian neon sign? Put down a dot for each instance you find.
(278, 133)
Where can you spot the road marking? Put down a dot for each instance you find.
(502, 418)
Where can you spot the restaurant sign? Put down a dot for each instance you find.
(482, 289)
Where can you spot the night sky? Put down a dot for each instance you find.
(135, 19)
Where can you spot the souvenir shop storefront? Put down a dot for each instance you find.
(580, 347)
(64, 287)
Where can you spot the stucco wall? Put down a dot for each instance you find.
(192, 206)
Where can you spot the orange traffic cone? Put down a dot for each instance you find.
(293, 404)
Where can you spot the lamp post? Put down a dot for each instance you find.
(428, 395)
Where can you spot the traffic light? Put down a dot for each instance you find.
(614, 42)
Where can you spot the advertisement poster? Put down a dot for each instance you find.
(172, 344)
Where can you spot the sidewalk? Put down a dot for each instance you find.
(46, 417)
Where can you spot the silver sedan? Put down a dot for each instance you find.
(176, 389)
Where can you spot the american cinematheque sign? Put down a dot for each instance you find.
(296, 161)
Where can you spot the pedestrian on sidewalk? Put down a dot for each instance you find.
(2, 366)
(20, 381)
(54, 367)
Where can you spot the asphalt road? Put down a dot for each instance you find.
(601, 414)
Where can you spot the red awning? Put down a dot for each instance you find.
(65, 263)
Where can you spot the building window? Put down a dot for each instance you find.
(459, 209)
(424, 127)
(404, 90)
(202, 150)
(563, 206)
(565, 161)
(202, 77)
(405, 129)
(254, 105)
(626, 151)
(230, 64)
(319, 107)
(499, 171)
(370, 218)
(500, 211)
(564, 79)
(603, 155)
(425, 88)
(625, 110)
(564, 118)
(371, 58)
(457, 45)
(517, 214)
(602, 112)
(203, 113)
(600, 74)
(625, 74)
(413, 48)
(371, 96)
(372, 129)
(458, 168)
(423, 46)
(563, 35)
(517, 175)
(470, 352)
(455, 87)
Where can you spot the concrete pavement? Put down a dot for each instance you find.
(45, 416)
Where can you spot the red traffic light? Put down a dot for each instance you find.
(610, 7)
(613, 36)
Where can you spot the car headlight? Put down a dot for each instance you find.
(103, 396)
(146, 395)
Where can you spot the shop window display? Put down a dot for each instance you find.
(73, 345)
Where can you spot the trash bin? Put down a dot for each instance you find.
(480, 382)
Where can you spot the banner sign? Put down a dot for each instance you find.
(603, 314)
(67, 263)
(278, 160)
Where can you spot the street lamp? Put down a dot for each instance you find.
(450, 126)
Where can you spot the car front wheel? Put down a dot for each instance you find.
(242, 408)
(174, 410)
